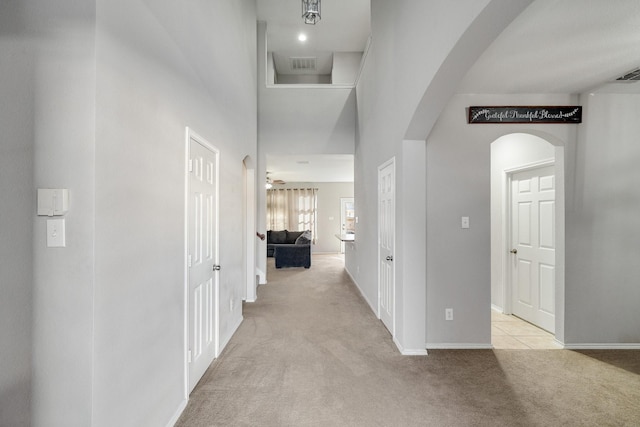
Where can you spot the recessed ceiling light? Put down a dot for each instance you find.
(302, 37)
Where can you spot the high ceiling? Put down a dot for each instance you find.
(345, 27)
(568, 46)
(311, 168)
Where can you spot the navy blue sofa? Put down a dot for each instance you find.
(289, 248)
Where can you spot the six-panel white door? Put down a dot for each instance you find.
(533, 246)
(386, 242)
(202, 258)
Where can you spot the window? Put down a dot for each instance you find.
(292, 209)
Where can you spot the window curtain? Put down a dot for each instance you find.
(292, 209)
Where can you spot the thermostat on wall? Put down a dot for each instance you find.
(53, 201)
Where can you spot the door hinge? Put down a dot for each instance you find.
(189, 261)
(189, 356)
(190, 165)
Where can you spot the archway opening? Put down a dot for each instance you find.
(527, 241)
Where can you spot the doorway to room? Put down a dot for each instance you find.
(527, 235)
(330, 177)
(347, 221)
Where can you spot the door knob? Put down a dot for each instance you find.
(514, 251)
(389, 258)
(216, 267)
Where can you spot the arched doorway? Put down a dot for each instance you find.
(527, 214)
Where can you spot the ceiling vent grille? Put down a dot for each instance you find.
(303, 63)
(630, 76)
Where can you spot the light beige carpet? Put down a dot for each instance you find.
(311, 353)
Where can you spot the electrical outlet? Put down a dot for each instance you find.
(448, 314)
(231, 304)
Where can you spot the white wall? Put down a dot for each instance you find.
(55, 148)
(600, 275)
(17, 210)
(602, 270)
(508, 152)
(459, 184)
(154, 79)
(411, 232)
(310, 79)
(397, 103)
(101, 94)
(345, 67)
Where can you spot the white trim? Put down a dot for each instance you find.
(409, 351)
(250, 289)
(497, 308)
(234, 329)
(262, 278)
(530, 166)
(364, 297)
(603, 346)
(458, 346)
(402, 350)
(174, 419)
(363, 60)
(186, 270)
(390, 162)
(417, 352)
(189, 135)
(507, 276)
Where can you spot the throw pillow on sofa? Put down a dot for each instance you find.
(304, 238)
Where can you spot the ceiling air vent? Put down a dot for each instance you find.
(303, 63)
(630, 76)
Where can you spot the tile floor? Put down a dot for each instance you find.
(512, 333)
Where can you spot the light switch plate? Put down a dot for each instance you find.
(465, 222)
(56, 233)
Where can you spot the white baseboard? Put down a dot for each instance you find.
(262, 278)
(603, 346)
(235, 327)
(497, 308)
(374, 309)
(176, 415)
(410, 351)
(417, 352)
(458, 346)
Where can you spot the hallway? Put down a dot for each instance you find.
(311, 353)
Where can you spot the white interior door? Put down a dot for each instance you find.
(202, 259)
(386, 244)
(533, 246)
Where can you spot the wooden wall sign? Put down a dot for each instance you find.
(550, 114)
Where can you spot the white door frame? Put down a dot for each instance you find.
(250, 294)
(389, 162)
(190, 134)
(507, 235)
